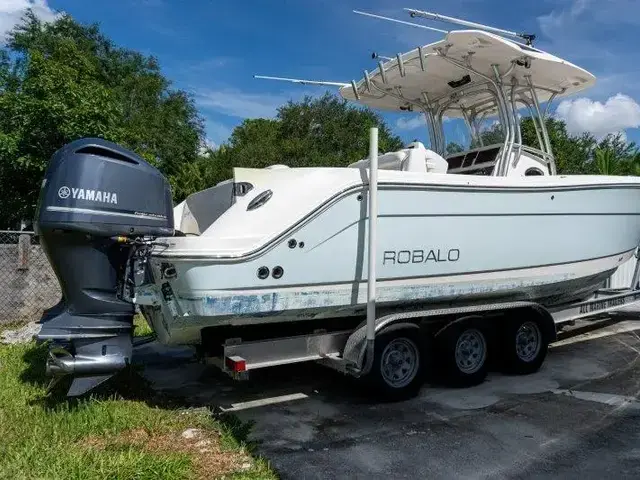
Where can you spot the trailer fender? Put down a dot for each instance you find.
(355, 348)
(547, 323)
(397, 326)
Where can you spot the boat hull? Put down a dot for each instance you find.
(550, 286)
(436, 244)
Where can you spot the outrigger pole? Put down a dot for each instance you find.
(303, 82)
(314, 82)
(529, 38)
(424, 27)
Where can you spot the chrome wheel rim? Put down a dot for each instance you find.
(528, 341)
(399, 362)
(471, 351)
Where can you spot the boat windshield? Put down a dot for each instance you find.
(475, 128)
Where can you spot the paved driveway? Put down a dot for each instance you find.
(578, 417)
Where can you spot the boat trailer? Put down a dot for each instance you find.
(391, 350)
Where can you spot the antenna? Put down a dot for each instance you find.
(456, 21)
(400, 21)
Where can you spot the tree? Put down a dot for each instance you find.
(572, 153)
(329, 131)
(453, 147)
(324, 131)
(61, 81)
(615, 155)
(606, 161)
(492, 135)
(584, 154)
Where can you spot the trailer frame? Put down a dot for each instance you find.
(344, 350)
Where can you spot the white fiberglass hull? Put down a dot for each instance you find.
(492, 238)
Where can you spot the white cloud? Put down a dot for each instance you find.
(598, 36)
(594, 35)
(557, 19)
(240, 104)
(12, 11)
(207, 145)
(411, 123)
(212, 63)
(579, 6)
(216, 133)
(584, 115)
(612, 12)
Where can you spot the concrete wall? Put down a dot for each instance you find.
(25, 292)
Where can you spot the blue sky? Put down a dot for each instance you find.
(212, 48)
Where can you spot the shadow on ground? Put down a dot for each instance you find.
(513, 427)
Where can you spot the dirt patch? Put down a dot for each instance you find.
(203, 447)
(20, 335)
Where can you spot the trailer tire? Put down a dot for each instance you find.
(524, 344)
(462, 353)
(397, 372)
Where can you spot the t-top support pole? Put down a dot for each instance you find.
(371, 268)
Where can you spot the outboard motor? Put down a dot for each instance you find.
(97, 203)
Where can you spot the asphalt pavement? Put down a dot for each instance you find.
(578, 417)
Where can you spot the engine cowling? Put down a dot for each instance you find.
(95, 196)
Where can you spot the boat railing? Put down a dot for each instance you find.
(544, 158)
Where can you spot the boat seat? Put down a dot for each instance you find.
(414, 158)
(414, 161)
(200, 210)
(479, 161)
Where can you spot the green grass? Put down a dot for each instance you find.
(121, 432)
(140, 327)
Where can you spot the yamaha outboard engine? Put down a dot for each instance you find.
(96, 204)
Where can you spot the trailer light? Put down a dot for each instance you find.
(236, 364)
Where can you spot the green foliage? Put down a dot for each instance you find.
(584, 154)
(491, 136)
(61, 81)
(453, 147)
(323, 131)
(605, 161)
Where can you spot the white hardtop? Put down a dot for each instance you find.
(408, 77)
(484, 76)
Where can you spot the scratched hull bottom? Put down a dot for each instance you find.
(550, 286)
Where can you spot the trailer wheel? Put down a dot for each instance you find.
(524, 346)
(462, 354)
(397, 370)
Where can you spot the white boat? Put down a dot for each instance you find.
(488, 223)
(284, 252)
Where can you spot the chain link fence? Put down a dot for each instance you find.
(27, 282)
